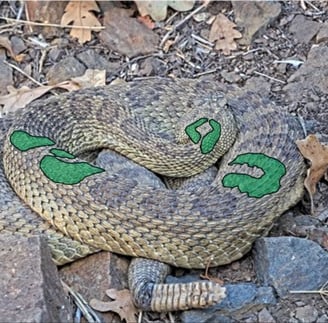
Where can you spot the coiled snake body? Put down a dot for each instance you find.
(259, 178)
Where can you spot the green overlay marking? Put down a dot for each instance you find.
(61, 153)
(268, 183)
(63, 172)
(210, 139)
(23, 141)
(57, 170)
(191, 130)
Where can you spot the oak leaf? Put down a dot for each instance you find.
(80, 13)
(122, 304)
(18, 98)
(224, 34)
(317, 154)
(157, 10)
(5, 43)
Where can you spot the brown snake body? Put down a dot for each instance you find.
(183, 228)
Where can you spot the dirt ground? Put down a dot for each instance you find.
(254, 66)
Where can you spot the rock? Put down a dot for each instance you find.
(64, 70)
(265, 316)
(93, 60)
(323, 319)
(231, 77)
(323, 33)
(17, 44)
(289, 263)
(126, 35)
(313, 73)
(306, 314)
(303, 29)
(30, 287)
(240, 298)
(6, 74)
(254, 16)
(93, 275)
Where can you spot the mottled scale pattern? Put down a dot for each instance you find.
(184, 227)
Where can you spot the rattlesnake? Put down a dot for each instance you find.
(151, 121)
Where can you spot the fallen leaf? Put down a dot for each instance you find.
(80, 13)
(147, 21)
(317, 154)
(90, 78)
(5, 43)
(47, 12)
(122, 304)
(158, 9)
(19, 98)
(224, 34)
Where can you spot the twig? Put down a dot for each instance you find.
(269, 77)
(179, 24)
(206, 72)
(22, 72)
(89, 314)
(32, 23)
(322, 292)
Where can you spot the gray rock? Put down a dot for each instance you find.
(265, 316)
(17, 44)
(313, 73)
(323, 33)
(30, 287)
(303, 29)
(306, 314)
(289, 263)
(6, 73)
(65, 69)
(93, 60)
(254, 16)
(240, 298)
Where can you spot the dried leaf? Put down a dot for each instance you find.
(79, 13)
(90, 78)
(224, 34)
(122, 305)
(146, 20)
(317, 154)
(5, 43)
(158, 9)
(19, 98)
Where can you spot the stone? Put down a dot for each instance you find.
(322, 35)
(126, 35)
(303, 29)
(264, 316)
(289, 263)
(240, 298)
(254, 16)
(17, 44)
(30, 287)
(306, 314)
(64, 70)
(6, 73)
(313, 73)
(95, 274)
(93, 60)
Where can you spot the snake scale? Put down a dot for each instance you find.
(147, 121)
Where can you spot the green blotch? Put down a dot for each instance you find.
(191, 131)
(24, 141)
(63, 172)
(268, 183)
(61, 153)
(210, 139)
